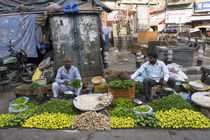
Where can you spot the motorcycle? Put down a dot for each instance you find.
(15, 67)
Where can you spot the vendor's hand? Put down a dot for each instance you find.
(164, 83)
(66, 82)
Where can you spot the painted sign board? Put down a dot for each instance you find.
(202, 7)
(176, 16)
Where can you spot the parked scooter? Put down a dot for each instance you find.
(15, 67)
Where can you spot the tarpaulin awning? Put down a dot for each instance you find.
(20, 30)
(155, 22)
(13, 6)
(157, 18)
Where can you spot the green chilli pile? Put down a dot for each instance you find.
(49, 121)
(175, 118)
(57, 106)
(117, 122)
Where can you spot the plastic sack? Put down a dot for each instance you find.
(173, 67)
(179, 76)
(11, 110)
(45, 63)
(186, 96)
(27, 99)
(139, 113)
(36, 74)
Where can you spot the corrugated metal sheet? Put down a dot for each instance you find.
(78, 37)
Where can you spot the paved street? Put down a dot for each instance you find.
(115, 134)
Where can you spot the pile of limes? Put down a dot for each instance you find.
(175, 118)
(50, 121)
(116, 122)
(4, 118)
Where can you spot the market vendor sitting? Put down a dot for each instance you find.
(66, 74)
(157, 74)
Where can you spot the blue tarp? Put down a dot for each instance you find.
(20, 30)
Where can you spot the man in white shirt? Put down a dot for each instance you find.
(157, 74)
(66, 74)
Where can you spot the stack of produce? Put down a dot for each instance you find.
(176, 118)
(57, 106)
(18, 119)
(92, 120)
(169, 102)
(49, 121)
(116, 122)
(146, 120)
(4, 118)
(122, 108)
(118, 84)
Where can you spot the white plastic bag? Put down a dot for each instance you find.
(173, 67)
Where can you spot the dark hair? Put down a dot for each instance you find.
(153, 54)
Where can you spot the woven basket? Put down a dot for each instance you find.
(122, 93)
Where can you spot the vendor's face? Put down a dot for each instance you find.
(67, 63)
(152, 60)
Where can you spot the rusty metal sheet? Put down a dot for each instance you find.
(77, 36)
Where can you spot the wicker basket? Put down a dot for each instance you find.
(101, 88)
(122, 93)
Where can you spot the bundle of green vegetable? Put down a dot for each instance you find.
(169, 102)
(125, 103)
(118, 84)
(56, 106)
(121, 112)
(122, 108)
(139, 89)
(75, 83)
(34, 85)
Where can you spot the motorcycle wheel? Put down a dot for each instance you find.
(13, 76)
(28, 72)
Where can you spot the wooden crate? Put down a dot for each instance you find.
(146, 37)
(122, 93)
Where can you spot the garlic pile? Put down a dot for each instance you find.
(91, 120)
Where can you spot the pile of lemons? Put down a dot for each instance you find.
(49, 121)
(116, 122)
(175, 118)
(5, 118)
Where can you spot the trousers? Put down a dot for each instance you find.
(148, 83)
(61, 88)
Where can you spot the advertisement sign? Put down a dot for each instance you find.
(177, 16)
(202, 7)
